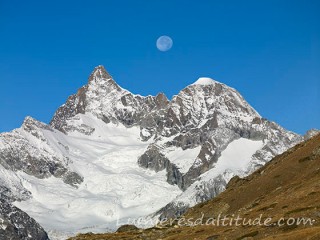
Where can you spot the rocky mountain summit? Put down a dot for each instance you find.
(184, 150)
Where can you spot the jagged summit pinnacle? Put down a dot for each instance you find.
(102, 80)
(99, 72)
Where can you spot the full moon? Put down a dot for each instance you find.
(164, 43)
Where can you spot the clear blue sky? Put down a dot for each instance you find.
(269, 50)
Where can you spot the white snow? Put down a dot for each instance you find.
(2, 226)
(10, 180)
(183, 159)
(145, 132)
(114, 188)
(235, 158)
(233, 161)
(204, 81)
(1, 144)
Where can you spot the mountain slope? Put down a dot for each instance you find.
(285, 189)
(108, 153)
(113, 186)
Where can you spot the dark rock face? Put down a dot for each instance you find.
(153, 159)
(174, 176)
(72, 178)
(6, 194)
(17, 225)
(172, 210)
(74, 105)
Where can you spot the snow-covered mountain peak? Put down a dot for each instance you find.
(207, 97)
(204, 81)
(99, 72)
(98, 97)
(101, 81)
(211, 84)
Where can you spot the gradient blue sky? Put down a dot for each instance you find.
(269, 50)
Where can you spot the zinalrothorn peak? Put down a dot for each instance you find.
(108, 153)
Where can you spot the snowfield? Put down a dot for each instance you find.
(183, 159)
(234, 160)
(114, 186)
